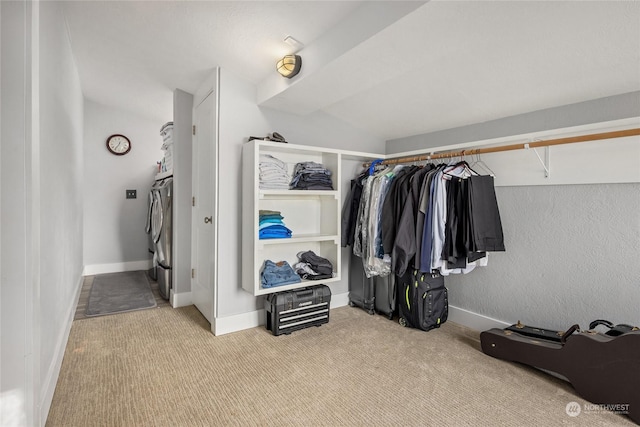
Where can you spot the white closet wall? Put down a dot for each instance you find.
(240, 117)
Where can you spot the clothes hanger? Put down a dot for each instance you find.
(457, 162)
(469, 170)
(454, 163)
(483, 165)
(372, 167)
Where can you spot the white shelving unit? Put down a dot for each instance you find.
(312, 215)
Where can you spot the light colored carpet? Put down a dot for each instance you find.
(163, 367)
(120, 292)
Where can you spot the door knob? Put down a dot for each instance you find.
(208, 219)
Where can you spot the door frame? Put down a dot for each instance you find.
(211, 84)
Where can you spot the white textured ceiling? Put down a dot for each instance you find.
(133, 54)
(422, 68)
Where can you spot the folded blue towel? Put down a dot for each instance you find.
(274, 232)
(269, 222)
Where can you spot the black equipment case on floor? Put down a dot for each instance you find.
(603, 368)
(290, 311)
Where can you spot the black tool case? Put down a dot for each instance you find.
(290, 311)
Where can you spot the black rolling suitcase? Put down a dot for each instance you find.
(297, 309)
(361, 288)
(422, 300)
(385, 295)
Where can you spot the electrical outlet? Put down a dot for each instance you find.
(131, 194)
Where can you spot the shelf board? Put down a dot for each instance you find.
(300, 238)
(266, 291)
(279, 147)
(296, 193)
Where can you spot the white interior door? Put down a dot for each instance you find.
(204, 218)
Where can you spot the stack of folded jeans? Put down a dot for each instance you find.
(277, 274)
(311, 176)
(270, 225)
(313, 267)
(274, 174)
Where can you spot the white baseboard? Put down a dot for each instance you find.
(182, 299)
(90, 270)
(51, 377)
(252, 319)
(339, 300)
(238, 322)
(473, 320)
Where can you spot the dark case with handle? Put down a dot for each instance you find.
(603, 368)
(297, 309)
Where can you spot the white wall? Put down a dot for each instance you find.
(240, 117)
(61, 178)
(114, 227)
(571, 258)
(41, 204)
(17, 387)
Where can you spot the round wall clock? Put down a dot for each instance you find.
(118, 144)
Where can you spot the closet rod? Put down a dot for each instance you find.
(535, 144)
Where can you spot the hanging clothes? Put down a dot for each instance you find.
(394, 205)
(367, 238)
(404, 240)
(373, 255)
(436, 217)
(485, 217)
(427, 233)
(362, 218)
(350, 211)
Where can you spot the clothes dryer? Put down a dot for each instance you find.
(161, 233)
(152, 245)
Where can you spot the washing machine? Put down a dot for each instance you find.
(161, 233)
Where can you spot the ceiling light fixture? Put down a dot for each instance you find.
(289, 66)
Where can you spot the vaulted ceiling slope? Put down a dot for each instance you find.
(394, 69)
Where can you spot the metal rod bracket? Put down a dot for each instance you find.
(546, 163)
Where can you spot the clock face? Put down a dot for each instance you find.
(118, 144)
